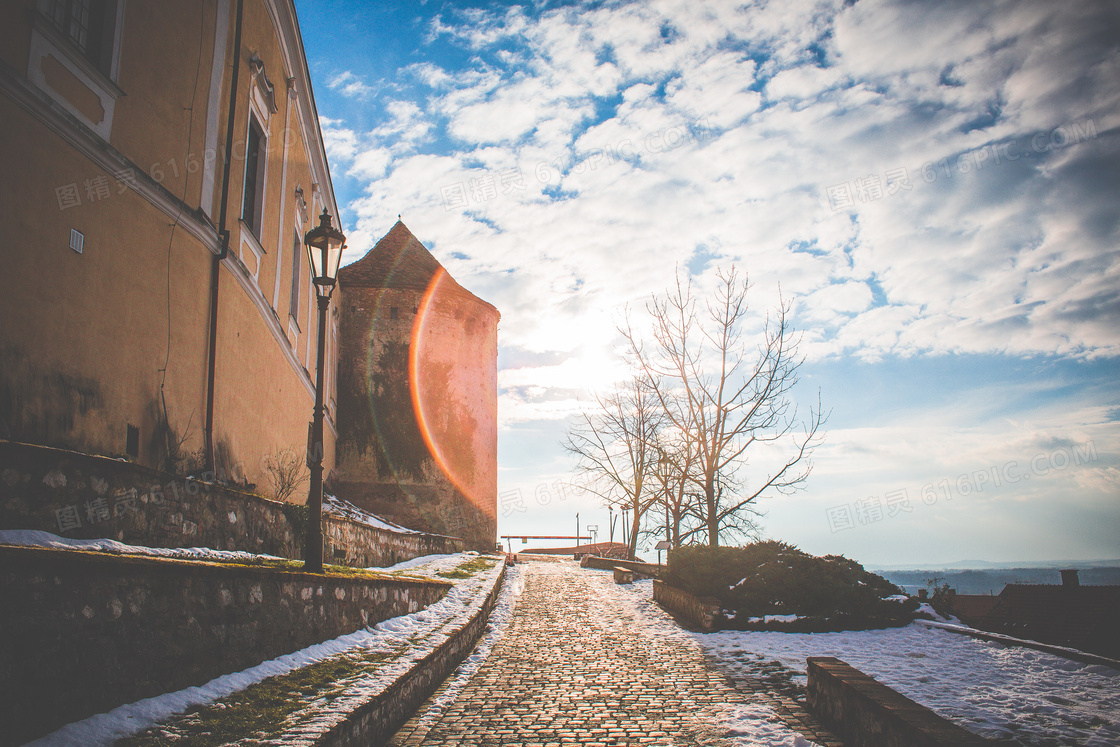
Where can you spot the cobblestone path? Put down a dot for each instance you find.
(579, 664)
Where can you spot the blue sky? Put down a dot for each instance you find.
(933, 185)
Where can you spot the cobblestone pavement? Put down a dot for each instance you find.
(580, 664)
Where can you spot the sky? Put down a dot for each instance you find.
(931, 185)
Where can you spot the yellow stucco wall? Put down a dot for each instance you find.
(85, 336)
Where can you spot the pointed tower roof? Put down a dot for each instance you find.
(399, 260)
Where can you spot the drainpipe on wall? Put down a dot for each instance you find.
(223, 235)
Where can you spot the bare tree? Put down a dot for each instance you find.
(724, 400)
(615, 446)
(285, 472)
(677, 497)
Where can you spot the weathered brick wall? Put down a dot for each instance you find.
(418, 406)
(90, 497)
(86, 632)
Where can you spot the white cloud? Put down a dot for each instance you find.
(350, 85)
(341, 143)
(989, 245)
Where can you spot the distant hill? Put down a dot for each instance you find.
(992, 580)
(970, 565)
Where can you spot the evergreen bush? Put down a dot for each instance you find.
(812, 594)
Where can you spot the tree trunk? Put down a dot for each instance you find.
(635, 527)
(711, 515)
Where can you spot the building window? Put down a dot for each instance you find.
(297, 254)
(89, 25)
(252, 207)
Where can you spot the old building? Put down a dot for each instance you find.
(162, 163)
(1086, 617)
(417, 393)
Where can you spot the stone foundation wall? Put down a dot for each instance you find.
(89, 497)
(703, 613)
(867, 713)
(85, 632)
(355, 544)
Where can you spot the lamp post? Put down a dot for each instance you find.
(324, 248)
(663, 464)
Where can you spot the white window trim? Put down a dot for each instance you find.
(312, 330)
(262, 186)
(210, 161)
(47, 42)
(280, 229)
(250, 246)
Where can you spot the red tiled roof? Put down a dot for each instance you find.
(398, 260)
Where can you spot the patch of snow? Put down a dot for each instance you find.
(774, 618)
(752, 724)
(461, 601)
(35, 538)
(427, 565)
(746, 725)
(995, 691)
(338, 507)
(496, 628)
(896, 598)
(1001, 692)
(925, 607)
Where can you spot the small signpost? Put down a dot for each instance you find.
(662, 545)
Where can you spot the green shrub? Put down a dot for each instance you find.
(775, 578)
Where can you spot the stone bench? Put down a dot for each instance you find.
(623, 575)
(867, 713)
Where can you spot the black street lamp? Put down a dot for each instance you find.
(324, 248)
(663, 466)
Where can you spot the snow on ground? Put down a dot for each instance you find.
(996, 691)
(465, 597)
(500, 618)
(757, 725)
(427, 565)
(339, 507)
(746, 725)
(35, 538)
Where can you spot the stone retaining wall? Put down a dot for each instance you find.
(703, 613)
(90, 497)
(355, 544)
(84, 632)
(381, 716)
(867, 713)
(642, 570)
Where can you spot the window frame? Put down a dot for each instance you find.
(256, 160)
(297, 266)
(104, 55)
